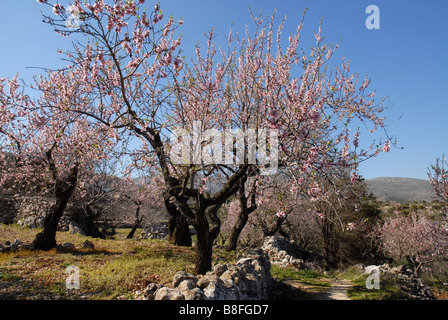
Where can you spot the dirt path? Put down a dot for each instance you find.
(338, 291)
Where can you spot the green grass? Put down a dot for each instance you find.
(388, 286)
(115, 268)
(388, 290)
(299, 284)
(305, 276)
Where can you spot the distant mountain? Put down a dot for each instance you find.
(401, 189)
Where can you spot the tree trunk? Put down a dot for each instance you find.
(137, 222)
(46, 239)
(83, 222)
(132, 232)
(204, 245)
(178, 228)
(243, 215)
(236, 231)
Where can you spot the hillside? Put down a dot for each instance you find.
(401, 189)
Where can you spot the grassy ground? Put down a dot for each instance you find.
(118, 268)
(114, 269)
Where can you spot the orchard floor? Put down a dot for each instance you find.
(120, 269)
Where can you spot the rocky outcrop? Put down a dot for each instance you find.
(248, 279)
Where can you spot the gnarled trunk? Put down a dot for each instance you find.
(46, 239)
(178, 228)
(204, 246)
(207, 225)
(240, 223)
(203, 215)
(243, 216)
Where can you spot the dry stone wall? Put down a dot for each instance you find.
(412, 284)
(24, 210)
(8, 210)
(30, 211)
(248, 279)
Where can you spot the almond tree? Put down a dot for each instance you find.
(137, 83)
(317, 112)
(127, 72)
(50, 149)
(414, 239)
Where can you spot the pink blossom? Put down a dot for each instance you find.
(386, 147)
(133, 64)
(314, 191)
(110, 24)
(293, 189)
(125, 45)
(414, 238)
(167, 27)
(281, 214)
(144, 20)
(157, 18)
(356, 139)
(178, 64)
(58, 9)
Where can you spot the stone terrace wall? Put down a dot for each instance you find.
(30, 211)
(248, 279)
(24, 210)
(8, 210)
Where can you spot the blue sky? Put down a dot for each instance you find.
(407, 58)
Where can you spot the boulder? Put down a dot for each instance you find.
(166, 293)
(150, 291)
(206, 279)
(88, 245)
(217, 290)
(219, 269)
(181, 276)
(65, 247)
